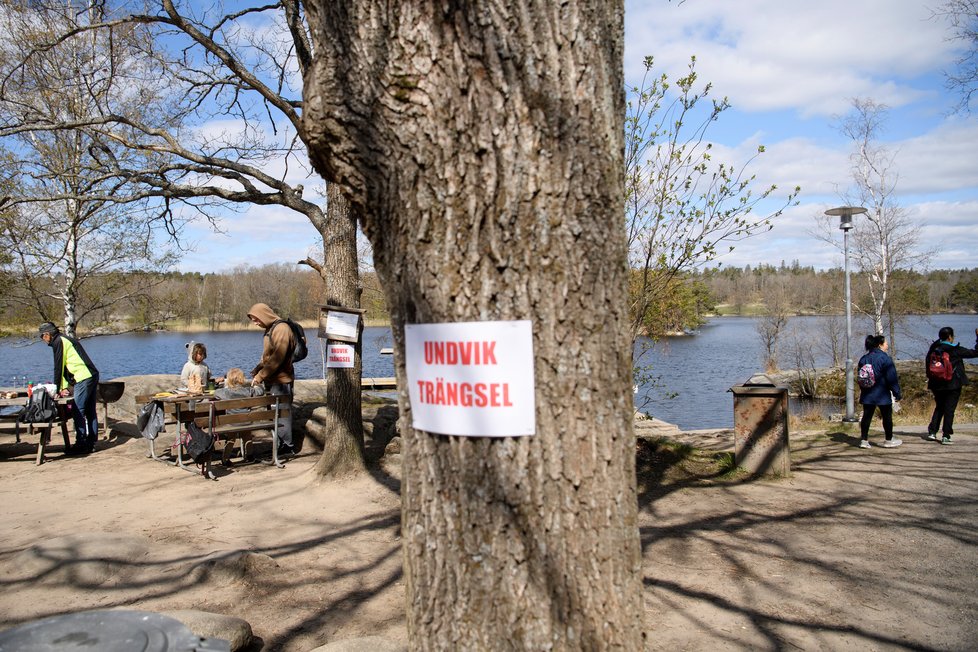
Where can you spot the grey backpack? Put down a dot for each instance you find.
(40, 408)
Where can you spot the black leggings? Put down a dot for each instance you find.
(945, 403)
(886, 416)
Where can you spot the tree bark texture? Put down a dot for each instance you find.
(483, 143)
(343, 427)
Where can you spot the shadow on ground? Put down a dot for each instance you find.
(865, 549)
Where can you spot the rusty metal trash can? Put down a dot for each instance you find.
(761, 427)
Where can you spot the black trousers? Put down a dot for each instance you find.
(886, 416)
(945, 403)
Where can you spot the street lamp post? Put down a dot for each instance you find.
(845, 214)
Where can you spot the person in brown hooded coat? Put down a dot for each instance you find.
(274, 371)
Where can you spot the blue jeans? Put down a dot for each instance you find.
(285, 421)
(84, 411)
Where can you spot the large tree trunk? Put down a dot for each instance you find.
(343, 428)
(484, 143)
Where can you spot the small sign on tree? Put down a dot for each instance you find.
(339, 324)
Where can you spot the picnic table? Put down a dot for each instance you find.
(223, 419)
(8, 419)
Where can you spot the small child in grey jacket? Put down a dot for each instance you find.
(195, 368)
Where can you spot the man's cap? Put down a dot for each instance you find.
(47, 327)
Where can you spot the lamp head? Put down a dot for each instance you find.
(845, 214)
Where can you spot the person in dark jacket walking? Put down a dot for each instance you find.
(75, 374)
(947, 392)
(884, 389)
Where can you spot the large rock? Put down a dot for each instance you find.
(209, 625)
(125, 408)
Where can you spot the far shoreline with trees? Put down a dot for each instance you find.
(218, 301)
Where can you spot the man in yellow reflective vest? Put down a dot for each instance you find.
(75, 375)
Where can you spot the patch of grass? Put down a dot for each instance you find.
(806, 419)
(662, 462)
(726, 463)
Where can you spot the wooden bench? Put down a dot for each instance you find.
(225, 419)
(8, 423)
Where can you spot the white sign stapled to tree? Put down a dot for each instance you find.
(342, 325)
(471, 378)
(339, 356)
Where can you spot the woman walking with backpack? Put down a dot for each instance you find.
(946, 383)
(878, 388)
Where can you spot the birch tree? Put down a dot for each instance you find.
(885, 239)
(483, 144)
(67, 225)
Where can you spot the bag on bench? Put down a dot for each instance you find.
(150, 420)
(40, 408)
(201, 444)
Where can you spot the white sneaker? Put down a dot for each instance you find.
(864, 443)
(892, 443)
(932, 436)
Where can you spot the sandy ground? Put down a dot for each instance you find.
(856, 550)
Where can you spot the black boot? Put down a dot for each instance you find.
(81, 447)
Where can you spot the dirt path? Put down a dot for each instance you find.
(857, 550)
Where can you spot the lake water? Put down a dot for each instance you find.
(694, 372)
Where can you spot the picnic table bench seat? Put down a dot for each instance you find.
(227, 420)
(9, 424)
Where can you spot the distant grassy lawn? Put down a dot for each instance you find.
(743, 310)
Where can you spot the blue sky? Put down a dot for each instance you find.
(789, 69)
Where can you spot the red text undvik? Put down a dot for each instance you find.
(460, 353)
(462, 394)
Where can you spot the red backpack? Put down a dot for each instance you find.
(939, 365)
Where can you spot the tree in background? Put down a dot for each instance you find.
(682, 208)
(69, 227)
(227, 137)
(885, 239)
(964, 294)
(248, 65)
(483, 143)
(771, 324)
(962, 19)
(799, 348)
(682, 305)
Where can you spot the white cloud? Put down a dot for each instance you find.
(820, 171)
(261, 235)
(227, 132)
(807, 56)
(950, 228)
(942, 160)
